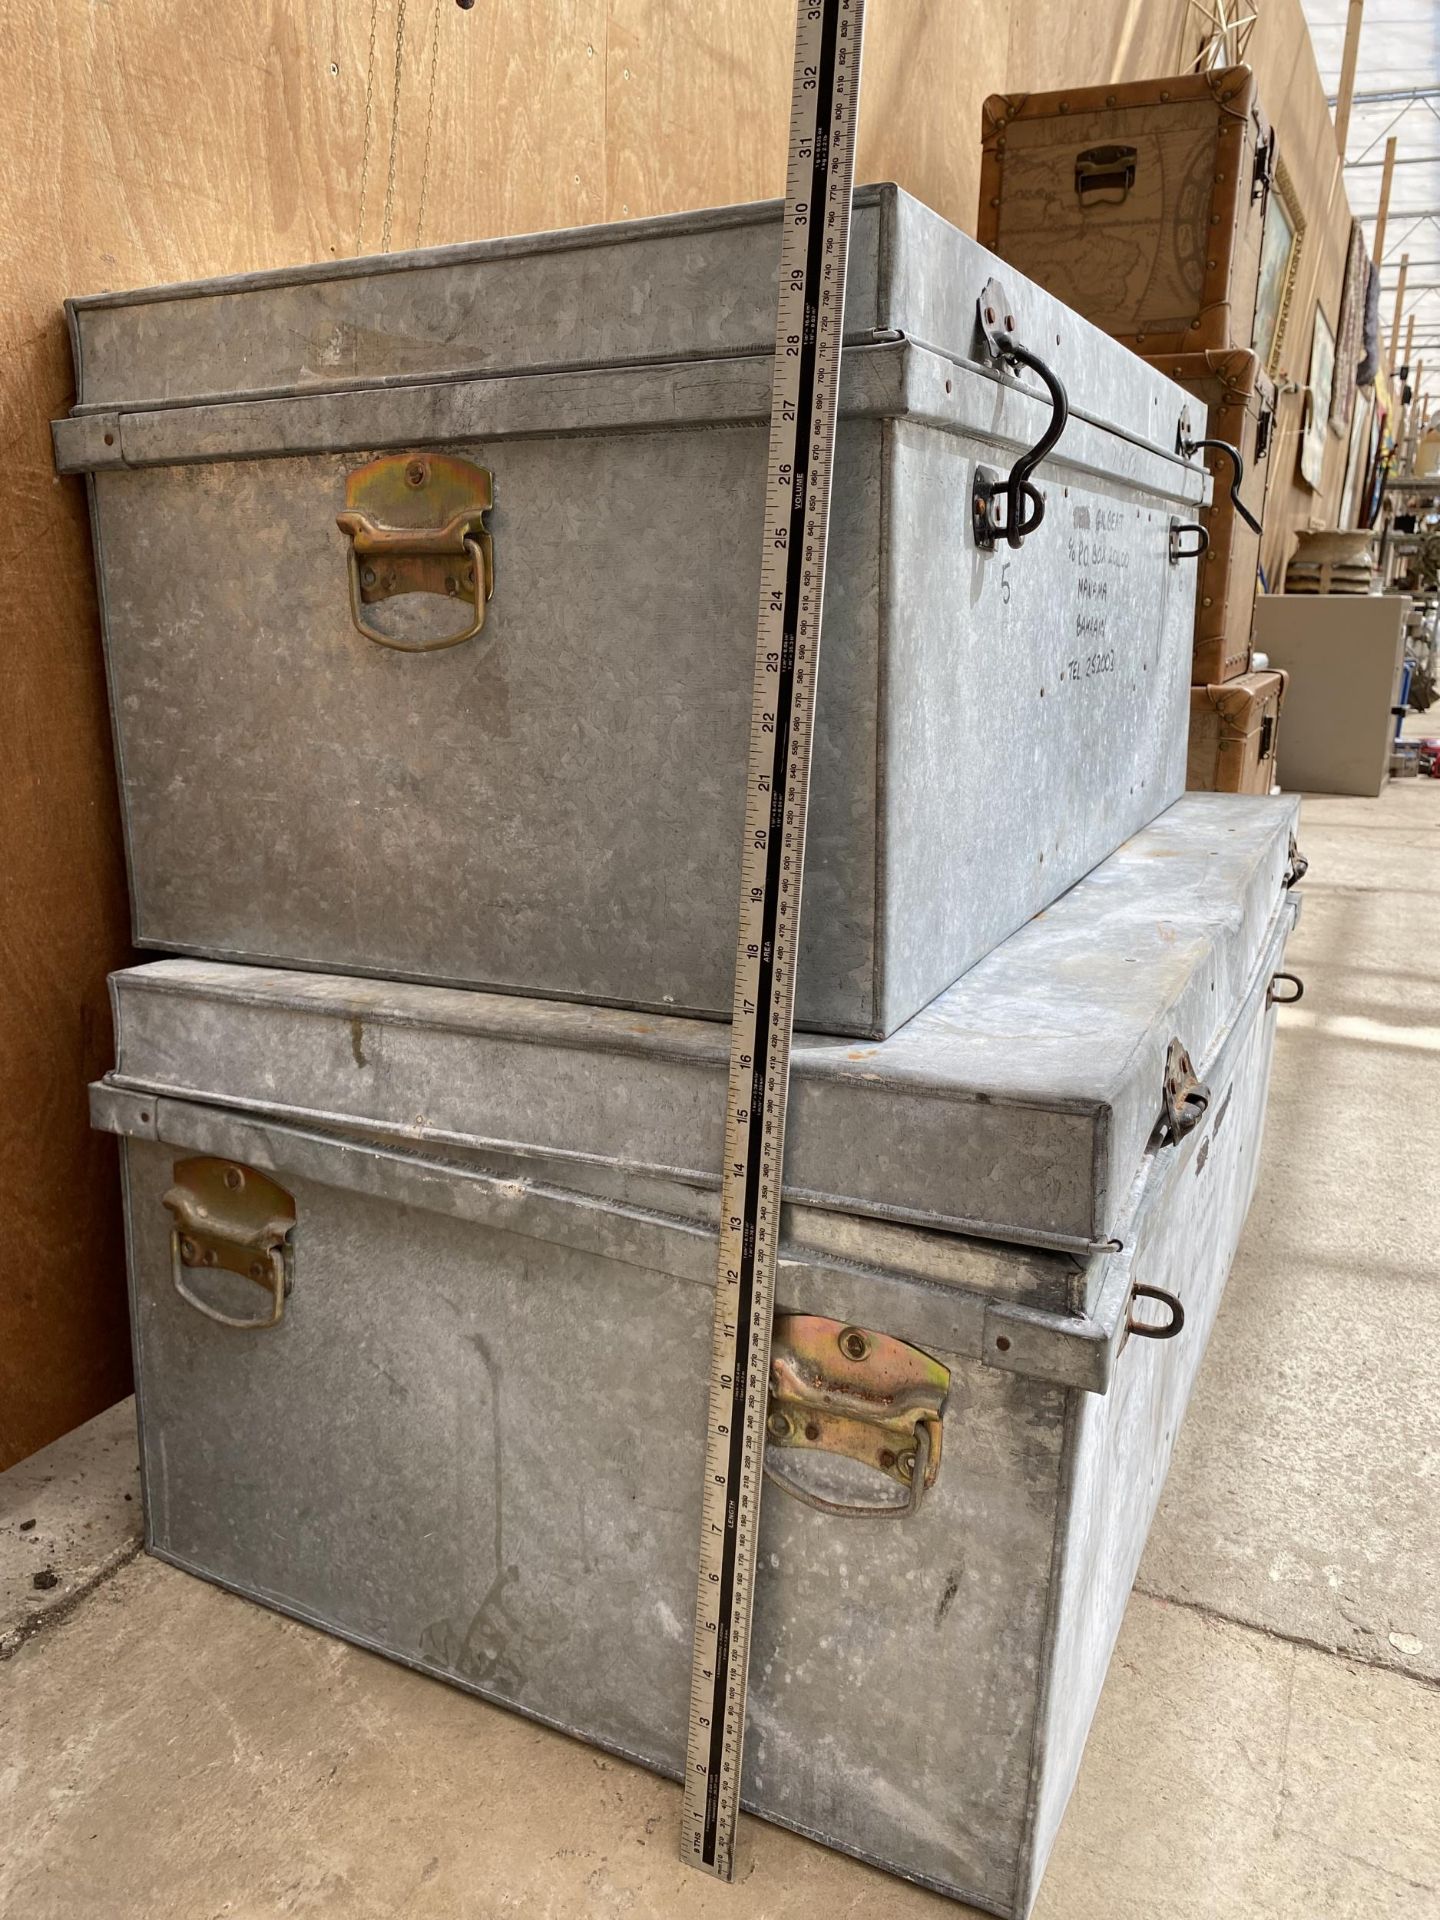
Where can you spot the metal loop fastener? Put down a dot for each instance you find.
(1274, 999)
(1178, 531)
(1145, 1328)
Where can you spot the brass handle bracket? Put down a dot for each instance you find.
(841, 1389)
(416, 524)
(234, 1218)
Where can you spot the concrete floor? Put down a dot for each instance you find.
(1268, 1745)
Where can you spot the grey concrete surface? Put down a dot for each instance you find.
(68, 1516)
(1268, 1744)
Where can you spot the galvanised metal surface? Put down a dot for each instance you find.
(1016, 1106)
(554, 807)
(473, 1443)
(689, 286)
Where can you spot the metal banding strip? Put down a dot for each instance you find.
(890, 379)
(804, 404)
(1067, 1349)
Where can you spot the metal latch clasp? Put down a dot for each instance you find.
(416, 525)
(232, 1217)
(1024, 502)
(837, 1388)
(1186, 1097)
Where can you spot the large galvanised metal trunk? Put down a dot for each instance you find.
(470, 1434)
(302, 481)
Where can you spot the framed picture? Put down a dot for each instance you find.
(1357, 461)
(1318, 397)
(1349, 335)
(1280, 246)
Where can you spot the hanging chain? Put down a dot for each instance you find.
(369, 125)
(394, 128)
(429, 119)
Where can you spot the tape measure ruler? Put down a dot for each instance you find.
(803, 408)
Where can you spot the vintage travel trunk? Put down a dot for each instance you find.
(1234, 730)
(471, 1239)
(1236, 404)
(1140, 206)
(301, 482)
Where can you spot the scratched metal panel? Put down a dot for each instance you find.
(555, 808)
(1020, 748)
(1121, 1444)
(1016, 1106)
(475, 1444)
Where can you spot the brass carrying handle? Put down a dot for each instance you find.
(921, 1475)
(270, 1269)
(479, 573)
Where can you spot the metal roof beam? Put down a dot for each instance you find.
(1386, 96)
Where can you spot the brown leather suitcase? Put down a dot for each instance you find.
(1233, 730)
(1140, 206)
(1235, 404)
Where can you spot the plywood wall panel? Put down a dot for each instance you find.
(697, 104)
(1053, 44)
(929, 68)
(518, 135)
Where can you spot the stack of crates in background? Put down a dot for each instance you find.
(429, 589)
(1142, 206)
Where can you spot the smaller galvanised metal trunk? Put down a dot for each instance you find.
(422, 1285)
(1235, 404)
(1234, 730)
(556, 445)
(1141, 206)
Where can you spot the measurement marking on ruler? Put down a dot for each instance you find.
(803, 406)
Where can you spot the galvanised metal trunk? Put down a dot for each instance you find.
(473, 1438)
(280, 464)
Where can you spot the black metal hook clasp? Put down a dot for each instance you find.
(1024, 502)
(1188, 448)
